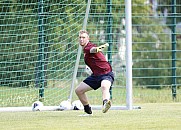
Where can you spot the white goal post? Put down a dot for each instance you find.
(128, 15)
(43, 61)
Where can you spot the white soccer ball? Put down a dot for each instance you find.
(88, 70)
(65, 105)
(37, 106)
(77, 105)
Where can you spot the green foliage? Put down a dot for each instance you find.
(166, 5)
(151, 49)
(20, 33)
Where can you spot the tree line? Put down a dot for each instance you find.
(19, 38)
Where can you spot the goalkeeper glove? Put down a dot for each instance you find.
(99, 48)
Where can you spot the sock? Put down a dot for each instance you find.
(87, 109)
(104, 101)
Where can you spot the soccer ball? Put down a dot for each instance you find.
(65, 105)
(37, 106)
(77, 105)
(88, 70)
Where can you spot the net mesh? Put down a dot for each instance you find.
(39, 44)
(38, 50)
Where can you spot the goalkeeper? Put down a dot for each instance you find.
(101, 77)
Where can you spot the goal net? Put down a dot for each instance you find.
(39, 46)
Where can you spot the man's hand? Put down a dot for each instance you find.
(99, 48)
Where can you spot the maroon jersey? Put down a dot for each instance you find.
(96, 61)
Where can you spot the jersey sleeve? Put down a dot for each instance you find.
(88, 47)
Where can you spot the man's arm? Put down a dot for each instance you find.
(99, 48)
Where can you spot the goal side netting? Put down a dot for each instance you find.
(40, 57)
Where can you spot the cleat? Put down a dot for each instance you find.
(85, 114)
(106, 106)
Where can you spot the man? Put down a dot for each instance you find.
(102, 76)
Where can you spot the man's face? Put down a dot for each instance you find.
(83, 39)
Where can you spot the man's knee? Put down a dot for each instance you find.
(104, 87)
(82, 88)
(77, 91)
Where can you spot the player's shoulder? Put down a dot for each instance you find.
(91, 44)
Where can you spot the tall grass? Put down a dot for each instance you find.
(140, 95)
(53, 96)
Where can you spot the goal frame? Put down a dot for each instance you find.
(129, 103)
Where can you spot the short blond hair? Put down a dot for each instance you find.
(83, 31)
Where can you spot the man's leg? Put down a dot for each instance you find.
(105, 86)
(80, 91)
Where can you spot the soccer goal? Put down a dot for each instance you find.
(41, 59)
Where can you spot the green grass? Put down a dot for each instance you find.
(154, 116)
(53, 96)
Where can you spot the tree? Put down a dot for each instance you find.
(151, 48)
(165, 6)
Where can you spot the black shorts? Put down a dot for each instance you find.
(95, 81)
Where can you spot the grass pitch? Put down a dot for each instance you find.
(155, 116)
